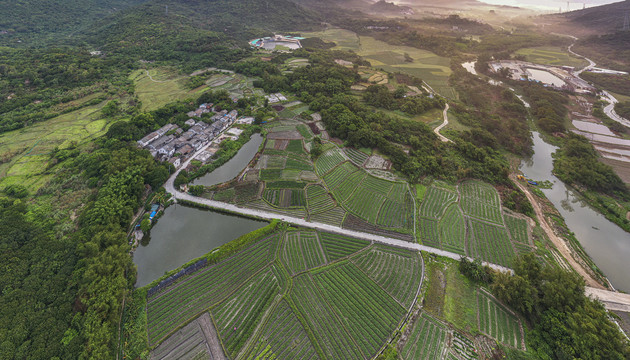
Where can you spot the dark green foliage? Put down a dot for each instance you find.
(475, 271)
(567, 324)
(623, 109)
(380, 96)
(576, 162)
(619, 84)
(548, 107)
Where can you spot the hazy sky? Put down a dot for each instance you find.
(550, 4)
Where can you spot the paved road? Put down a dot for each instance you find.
(611, 300)
(443, 124)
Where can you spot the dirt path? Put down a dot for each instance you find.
(157, 81)
(560, 244)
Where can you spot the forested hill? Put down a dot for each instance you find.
(34, 21)
(604, 19)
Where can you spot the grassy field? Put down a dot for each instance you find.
(431, 68)
(295, 294)
(550, 55)
(25, 153)
(163, 86)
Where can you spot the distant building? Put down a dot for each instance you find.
(175, 161)
(190, 122)
(148, 139)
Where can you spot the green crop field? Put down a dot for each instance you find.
(436, 200)
(318, 200)
(398, 271)
(302, 251)
(356, 156)
(339, 174)
(490, 243)
(481, 200)
(367, 312)
(428, 232)
(452, 230)
(284, 337)
(297, 294)
(427, 341)
(551, 55)
(25, 153)
(518, 229)
(365, 204)
(498, 322)
(328, 160)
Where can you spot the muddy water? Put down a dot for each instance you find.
(606, 243)
(234, 166)
(184, 233)
(545, 77)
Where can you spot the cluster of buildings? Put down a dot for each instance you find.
(171, 143)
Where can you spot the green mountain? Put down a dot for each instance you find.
(35, 20)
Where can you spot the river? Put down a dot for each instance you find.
(184, 233)
(234, 166)
(606, 243)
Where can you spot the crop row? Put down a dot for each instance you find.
(296, 147)
(495, 321)
(366, 310)
(481, 192)
(436, 200)
(283, 337)
(349, 186)
(338, 246)
(356, 156)
(199, 292)
(427, 341)
(399, 192)
(452, 229)
(302, 251)
(333, 216)
(190, 341)
(238, 316)
(463, 347)
(294, 164)
(428, 232)
(314, 191)
(490, 243)
(328, 160)
(339, 175)
(377, 185)
(274, 162)
(481, 210)
(285, 198)
(517, 228)
(395, 215)
(330, 334)
(365, 204)
(399, 275)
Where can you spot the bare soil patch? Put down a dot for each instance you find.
(354, 223)
(284, 135)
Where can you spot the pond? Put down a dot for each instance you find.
(184, 233)
(606, 243)
(234, 166)
(545, 77)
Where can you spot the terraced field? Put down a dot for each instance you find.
(490, 243)
(427, 341)
(436, 200)
(481, 200)
(518, 229)
(356, 156)
(498, 322)
(429, 233)
(328, 160)
(452, 230)
(299, 294)
(397, 271)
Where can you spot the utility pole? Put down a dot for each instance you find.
(568, 6)
(166, 10)
(626, 21)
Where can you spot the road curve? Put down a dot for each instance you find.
(443, 124)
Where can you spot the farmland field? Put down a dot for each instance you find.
(428, 340)
(297, 294)
(161, 86)
(398, 271)
(550, 55)
(452, 230)
(436, 200)
(498, 322)
(328, 160)
(428, 232)
(481, 200)
(356, 156)
(517, 228)
(490, 243)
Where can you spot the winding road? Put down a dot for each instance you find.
(443, 124)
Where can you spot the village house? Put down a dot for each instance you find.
(190, 122)
(148, 139)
